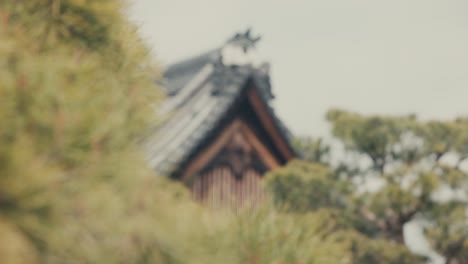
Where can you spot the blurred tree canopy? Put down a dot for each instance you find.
(410, 162)
(75, 94)
(305, 187)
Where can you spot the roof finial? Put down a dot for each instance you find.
(240, 49)
(244, 40)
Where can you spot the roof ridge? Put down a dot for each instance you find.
(181, 65)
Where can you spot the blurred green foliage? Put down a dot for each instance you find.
(76, 88)
(411, 185)
(305, 187)
(406, 156)
(312, 149)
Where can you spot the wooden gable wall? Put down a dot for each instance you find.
(227, 171)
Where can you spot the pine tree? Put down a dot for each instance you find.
(76, 92)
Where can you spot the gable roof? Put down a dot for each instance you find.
(201, 90)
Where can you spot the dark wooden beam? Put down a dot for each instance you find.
(209, 153)
(261, 109)
(206, 155)
(264, 153)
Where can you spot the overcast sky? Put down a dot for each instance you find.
(369, 56)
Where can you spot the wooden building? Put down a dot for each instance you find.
(220, 135)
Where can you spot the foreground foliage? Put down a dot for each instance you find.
(75, 94)
(306, 187)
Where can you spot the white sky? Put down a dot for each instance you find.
(369, 56)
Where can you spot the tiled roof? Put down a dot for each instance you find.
(200, 92)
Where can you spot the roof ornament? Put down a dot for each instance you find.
(240, 50)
